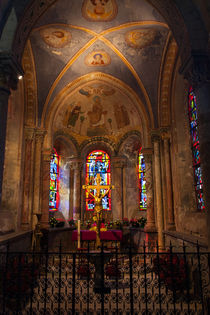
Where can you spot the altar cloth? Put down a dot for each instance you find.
(85, 235)
(111, 235)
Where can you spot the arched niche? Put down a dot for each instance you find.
(129, 150)
(66, 150)
(96, 144)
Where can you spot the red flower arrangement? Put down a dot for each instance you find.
(172, 271)
(112, 271)
(83, 271)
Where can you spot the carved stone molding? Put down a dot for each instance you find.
(46, 155)
(29, 133)
(166, 76)
(30, 86)
(165, 133)
(75, 164)
(39, 135)
(155, 135)
(147, 152)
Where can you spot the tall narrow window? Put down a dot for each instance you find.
(98, 162)
(54, 182)
(192, 109)
(142, 182)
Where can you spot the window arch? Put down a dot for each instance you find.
(192, 111)
(142, 182)
(54, 181)
(98, 161)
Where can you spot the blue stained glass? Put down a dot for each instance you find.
(54, 182)
(195, 149)
(142, 182)
(98, 162)
(196, 155)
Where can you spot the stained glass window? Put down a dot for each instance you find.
(192, 109)
(142, 182)
(54, 182)
(98, 162)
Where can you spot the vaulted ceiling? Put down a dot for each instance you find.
(119, 47)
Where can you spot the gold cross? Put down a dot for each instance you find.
(98, 187)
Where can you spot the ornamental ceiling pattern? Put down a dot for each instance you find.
(124, 39)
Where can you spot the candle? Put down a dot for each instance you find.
(78, 234)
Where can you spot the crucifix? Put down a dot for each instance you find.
(98, 202)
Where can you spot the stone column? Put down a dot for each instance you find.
(9, 71)
(197, 72)
(27, 179)
(45, 187)
(158, 190)
(168, 176)
(39, 138)
(75, 165)
(150, 226)
(118, 164)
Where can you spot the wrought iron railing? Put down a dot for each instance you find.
(105, 282)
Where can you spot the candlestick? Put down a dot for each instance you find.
(78, 234)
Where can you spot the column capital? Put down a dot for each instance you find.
(29, 133)
(10, 70)
(40, 134)
(196, 69)
(46, 154)
(155, 135)
(147, 153)
(118, 162)
(165, 133)
(75, 163)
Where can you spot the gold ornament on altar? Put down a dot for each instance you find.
(98, 203)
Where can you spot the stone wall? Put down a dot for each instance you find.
(187, 218)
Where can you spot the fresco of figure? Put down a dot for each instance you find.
(99, 6)
(97, 59)
(121, 116)
(74, 115)
(99, 10)
(96, 115)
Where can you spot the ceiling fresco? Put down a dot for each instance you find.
(97, 109)
(124, 39)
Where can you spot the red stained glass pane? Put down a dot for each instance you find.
(98, 161)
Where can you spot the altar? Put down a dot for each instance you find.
(105, 236)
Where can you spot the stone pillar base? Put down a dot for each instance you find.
(6, 222)
(150, 228)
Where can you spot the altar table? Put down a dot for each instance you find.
(86, 235)
(111, 235)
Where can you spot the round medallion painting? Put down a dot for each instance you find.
(140, 38)
(97, 58)
(99, 10)
(55, 37)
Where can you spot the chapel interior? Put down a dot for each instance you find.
(114, 93)
(116, 77)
